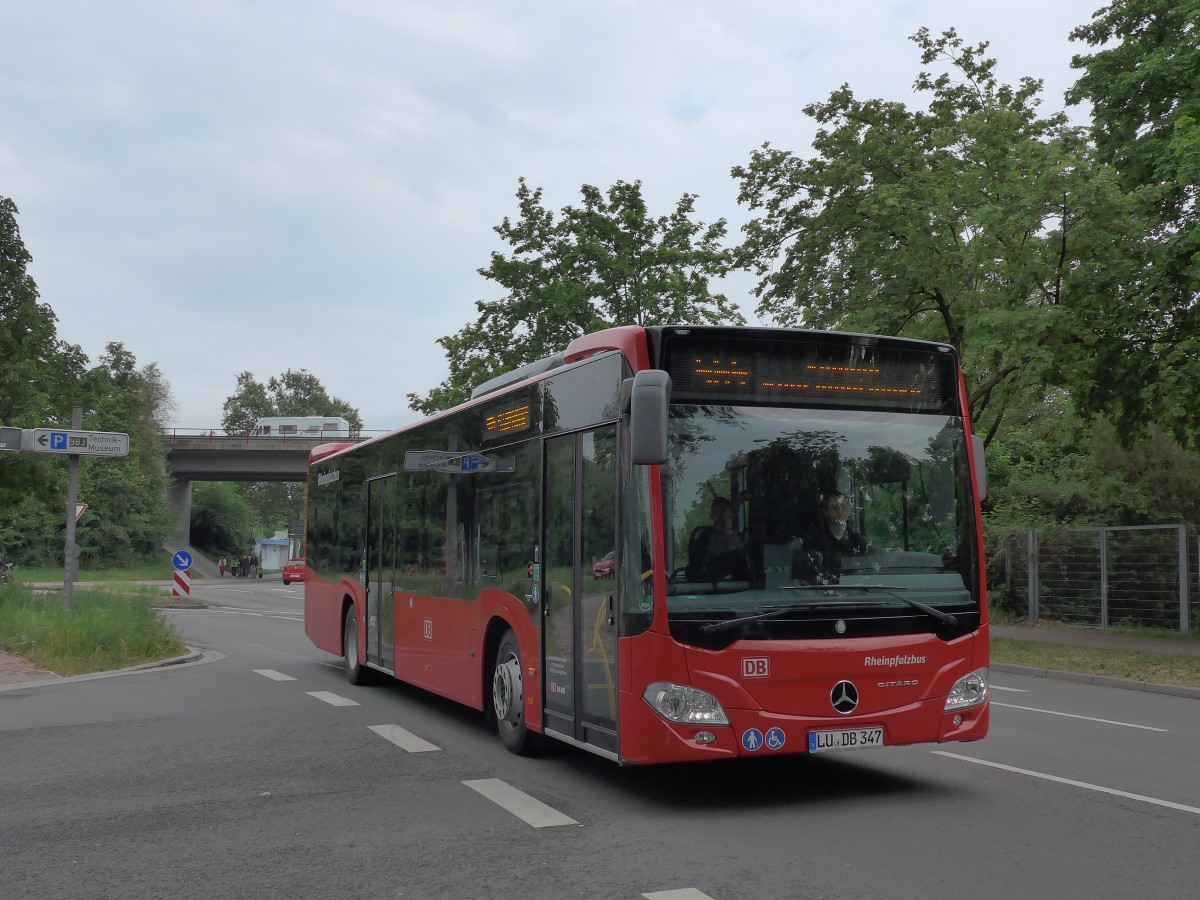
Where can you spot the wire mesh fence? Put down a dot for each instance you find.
(1100, 577)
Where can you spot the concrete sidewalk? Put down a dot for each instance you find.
(18, 670)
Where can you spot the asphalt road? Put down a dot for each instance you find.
(260, 772)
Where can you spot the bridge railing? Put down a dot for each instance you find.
(219, 435)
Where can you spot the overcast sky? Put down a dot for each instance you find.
(270, 184)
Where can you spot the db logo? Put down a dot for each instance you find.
(429, 629)
(756, 667)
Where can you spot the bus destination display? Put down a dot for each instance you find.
(797, 372)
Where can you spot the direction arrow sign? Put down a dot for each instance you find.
(80, 443)
(182, 560)
(455, 463)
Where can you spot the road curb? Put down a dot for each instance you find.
(193, 656)
(1127, 684)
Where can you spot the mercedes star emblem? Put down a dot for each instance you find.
(844, 697)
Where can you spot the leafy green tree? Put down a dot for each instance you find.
(223, 519)
(1143, 84)
(42, 377)
(246, 405)
(294, 393)
(604, 262)
(972, 222)
(128, 517)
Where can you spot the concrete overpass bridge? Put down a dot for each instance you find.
(204, 455)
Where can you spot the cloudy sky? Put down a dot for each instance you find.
(260, 185)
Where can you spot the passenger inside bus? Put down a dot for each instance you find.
(717, 552)
(829, 540)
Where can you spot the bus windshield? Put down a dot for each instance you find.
(788, 523)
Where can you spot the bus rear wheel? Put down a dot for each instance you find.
(508, 697)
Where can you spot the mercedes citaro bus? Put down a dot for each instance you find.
(461, 553)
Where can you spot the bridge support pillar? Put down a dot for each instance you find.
(180, 497)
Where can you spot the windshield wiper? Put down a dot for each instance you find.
(944, 618)
(726, 624)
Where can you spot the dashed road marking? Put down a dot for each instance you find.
(332, 699)
(1169, 804)
(679, 894)
(273, 675)
(996, 687)
(405, 740)
(1052, 712)
(526, 808)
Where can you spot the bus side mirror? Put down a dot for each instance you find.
(980, 466)
(649, 398)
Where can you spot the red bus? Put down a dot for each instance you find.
(792, 522)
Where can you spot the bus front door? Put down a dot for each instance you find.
(380, 568)
(580, 633)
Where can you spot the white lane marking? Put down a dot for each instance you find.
(405, 740)
(273, 675)
(1051, 712)
(528, 809)
(996, 687)
(332, 699)
(680, 894)
(1081, 784)
(217, 590)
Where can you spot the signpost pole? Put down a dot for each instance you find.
(71, 550)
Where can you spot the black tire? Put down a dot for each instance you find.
(356, 672)
(508, 697)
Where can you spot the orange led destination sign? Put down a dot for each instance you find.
(507, 421)
(799, 372)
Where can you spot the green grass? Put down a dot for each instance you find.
(1163, 668)
(106, 628)
(142, 572)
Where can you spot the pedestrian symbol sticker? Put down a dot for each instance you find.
(752, 739)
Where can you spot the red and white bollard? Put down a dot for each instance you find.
(183, 583)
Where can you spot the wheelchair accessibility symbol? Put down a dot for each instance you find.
(775, 738)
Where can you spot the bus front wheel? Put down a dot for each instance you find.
(508, 696)
(356, 672)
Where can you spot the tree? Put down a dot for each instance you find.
(129, 518)
(974, 222)
(246, 405)
(42, 377)
(223, 520)
(605, 262)
(294, 393)
(291, 394)
(1144, 89)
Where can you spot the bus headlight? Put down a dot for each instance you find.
(970, 690)
(685, 705)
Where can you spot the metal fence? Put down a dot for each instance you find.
(1137, 575)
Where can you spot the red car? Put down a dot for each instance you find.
(606, 567)
(293, 571)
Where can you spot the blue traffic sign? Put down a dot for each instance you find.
(58, 440)
(182, 560)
